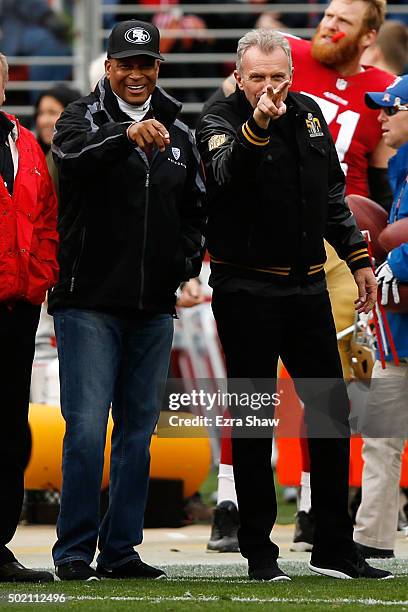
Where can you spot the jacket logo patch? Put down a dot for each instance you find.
(216, 141)
(313, 126)
(176, 152)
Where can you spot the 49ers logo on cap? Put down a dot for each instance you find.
(138, 36)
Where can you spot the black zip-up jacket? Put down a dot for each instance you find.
(130, 230)
(275, 194)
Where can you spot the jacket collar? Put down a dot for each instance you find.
(165, 108)
(298, 101)
(9, 125)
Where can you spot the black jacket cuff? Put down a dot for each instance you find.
(358, 258)
(252, 135)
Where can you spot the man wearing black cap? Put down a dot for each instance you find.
(130, 223)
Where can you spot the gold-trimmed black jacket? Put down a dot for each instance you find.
(275, 194)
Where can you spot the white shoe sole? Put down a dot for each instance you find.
(90, 579)
(162, 577)
(337, 574)
(329, 572)
(276, 579)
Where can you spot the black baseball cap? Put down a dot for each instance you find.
(134, 37)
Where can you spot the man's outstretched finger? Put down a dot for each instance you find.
(162, 130)
(277, 90)
(156, 136)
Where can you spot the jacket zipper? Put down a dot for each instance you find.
(77, 261)
(144, 241)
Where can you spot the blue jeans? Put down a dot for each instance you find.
(107, 360)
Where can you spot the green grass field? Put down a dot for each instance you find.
(188, 589)
(219, 586)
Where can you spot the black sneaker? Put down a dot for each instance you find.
(135, 568)
(76, 570)
(304, 532)
(270, 572)
(224, 531)
(15, 572)
(369, 552)
(346, 569)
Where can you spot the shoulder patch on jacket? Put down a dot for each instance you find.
(313, 126)
(216, 141)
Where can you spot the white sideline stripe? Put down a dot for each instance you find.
(188, 597)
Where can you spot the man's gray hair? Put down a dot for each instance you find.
(4, 68)
(266, 41)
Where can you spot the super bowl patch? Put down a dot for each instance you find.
(313, 126)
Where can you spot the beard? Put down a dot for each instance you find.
(335, 53)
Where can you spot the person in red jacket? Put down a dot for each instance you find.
(28, 267)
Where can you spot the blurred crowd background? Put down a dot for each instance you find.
(63, 41)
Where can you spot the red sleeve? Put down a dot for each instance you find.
(46, 229)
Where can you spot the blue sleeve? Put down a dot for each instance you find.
(398, 261)
(398, 257)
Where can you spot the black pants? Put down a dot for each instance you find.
(18, 326)
(254, 332)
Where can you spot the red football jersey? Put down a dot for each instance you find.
(353, 126)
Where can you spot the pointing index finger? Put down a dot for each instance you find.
(269, 91)
(277, 90)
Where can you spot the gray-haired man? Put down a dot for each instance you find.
(275, 191)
